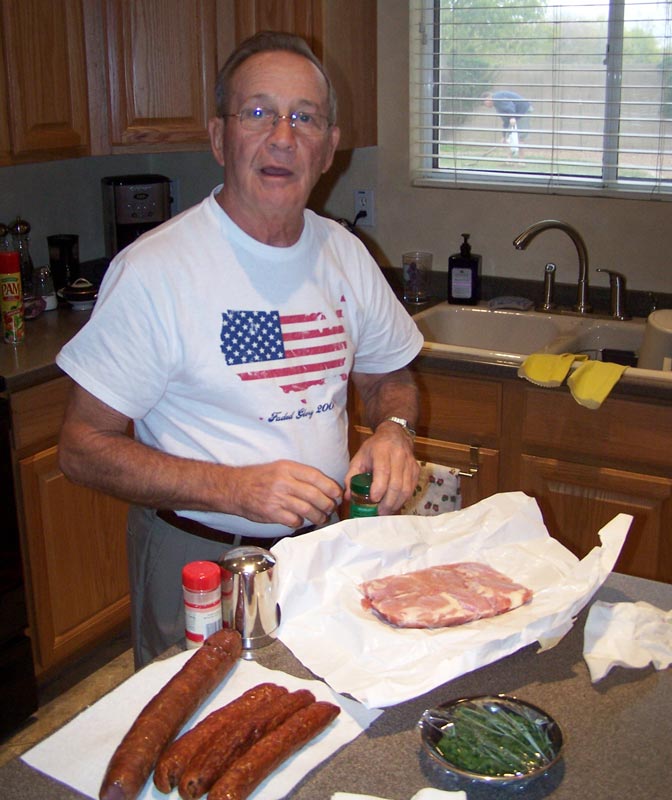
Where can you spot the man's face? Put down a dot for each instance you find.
(270, 174)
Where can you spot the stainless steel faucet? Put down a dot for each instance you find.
(523, 239)
(549, 283)
(618, 293)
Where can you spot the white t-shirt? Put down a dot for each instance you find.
(224, 349)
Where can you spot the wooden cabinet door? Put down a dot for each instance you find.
(5, 142)
(294, 16)
(348, 30)
(76, 558)
(342, 34)
(162, 64)
(577, 500)
(44, 59)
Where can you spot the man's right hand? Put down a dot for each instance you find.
(96, 451)
(283, 492)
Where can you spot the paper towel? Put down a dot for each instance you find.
(626, 635)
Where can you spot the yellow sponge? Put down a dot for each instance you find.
(548, 369)
(591, 383)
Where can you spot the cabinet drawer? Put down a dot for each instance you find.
(451, 408)
(621, 431)
(37, 413)
(459, 409)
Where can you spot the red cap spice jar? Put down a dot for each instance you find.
(202, 590)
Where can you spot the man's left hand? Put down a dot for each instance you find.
(388, 454)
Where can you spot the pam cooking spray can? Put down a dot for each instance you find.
(11, 297)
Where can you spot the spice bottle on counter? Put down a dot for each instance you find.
(11, 297)
(361, 504)
(202, 590)
(20, 229)
(5, 243)
(43, 286)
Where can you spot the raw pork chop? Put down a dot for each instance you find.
(449, 594)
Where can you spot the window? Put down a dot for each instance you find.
(546, 95)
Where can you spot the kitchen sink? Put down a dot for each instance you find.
(501, 332)
(610, 341)
(503, 336)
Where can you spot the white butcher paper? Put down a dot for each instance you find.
(79, 752)
(325, 626)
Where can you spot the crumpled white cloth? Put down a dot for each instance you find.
(423, 794)
(626, 635)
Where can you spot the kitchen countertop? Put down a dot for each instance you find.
(33, 361)
(617, 732)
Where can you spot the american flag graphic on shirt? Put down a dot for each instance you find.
(295, 350)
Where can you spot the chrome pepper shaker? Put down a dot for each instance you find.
(249, 595)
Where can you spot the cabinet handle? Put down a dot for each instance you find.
(472, 471)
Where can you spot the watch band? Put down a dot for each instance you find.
(404, 424)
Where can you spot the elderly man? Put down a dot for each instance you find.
(228, 336)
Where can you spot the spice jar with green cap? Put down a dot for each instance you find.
(361, 504)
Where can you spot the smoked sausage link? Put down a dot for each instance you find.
(175, 758)
(206, 767)
(250, 769)
(161, 719)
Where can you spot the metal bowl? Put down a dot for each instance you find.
(438, 722)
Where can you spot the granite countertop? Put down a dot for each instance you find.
(34, 360)
(616, 732)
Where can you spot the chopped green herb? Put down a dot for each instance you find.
(495, 740)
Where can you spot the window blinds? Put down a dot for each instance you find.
(580, 94)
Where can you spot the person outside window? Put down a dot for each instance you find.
(514, 111)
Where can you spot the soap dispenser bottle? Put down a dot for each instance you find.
(464, 275)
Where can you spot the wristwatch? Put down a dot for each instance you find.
(404, 424)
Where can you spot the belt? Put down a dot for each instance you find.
(196, 528)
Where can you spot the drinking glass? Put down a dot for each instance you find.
(417, 267)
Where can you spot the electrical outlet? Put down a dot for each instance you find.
(364, 202)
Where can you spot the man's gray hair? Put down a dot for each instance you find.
(263, 42)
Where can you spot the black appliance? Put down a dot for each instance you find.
(132, 205)
(18, 687)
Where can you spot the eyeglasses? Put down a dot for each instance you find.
(261, 120)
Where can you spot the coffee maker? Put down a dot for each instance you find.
(132, 205)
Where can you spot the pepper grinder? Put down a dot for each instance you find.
(20, 229)
(5, 243)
